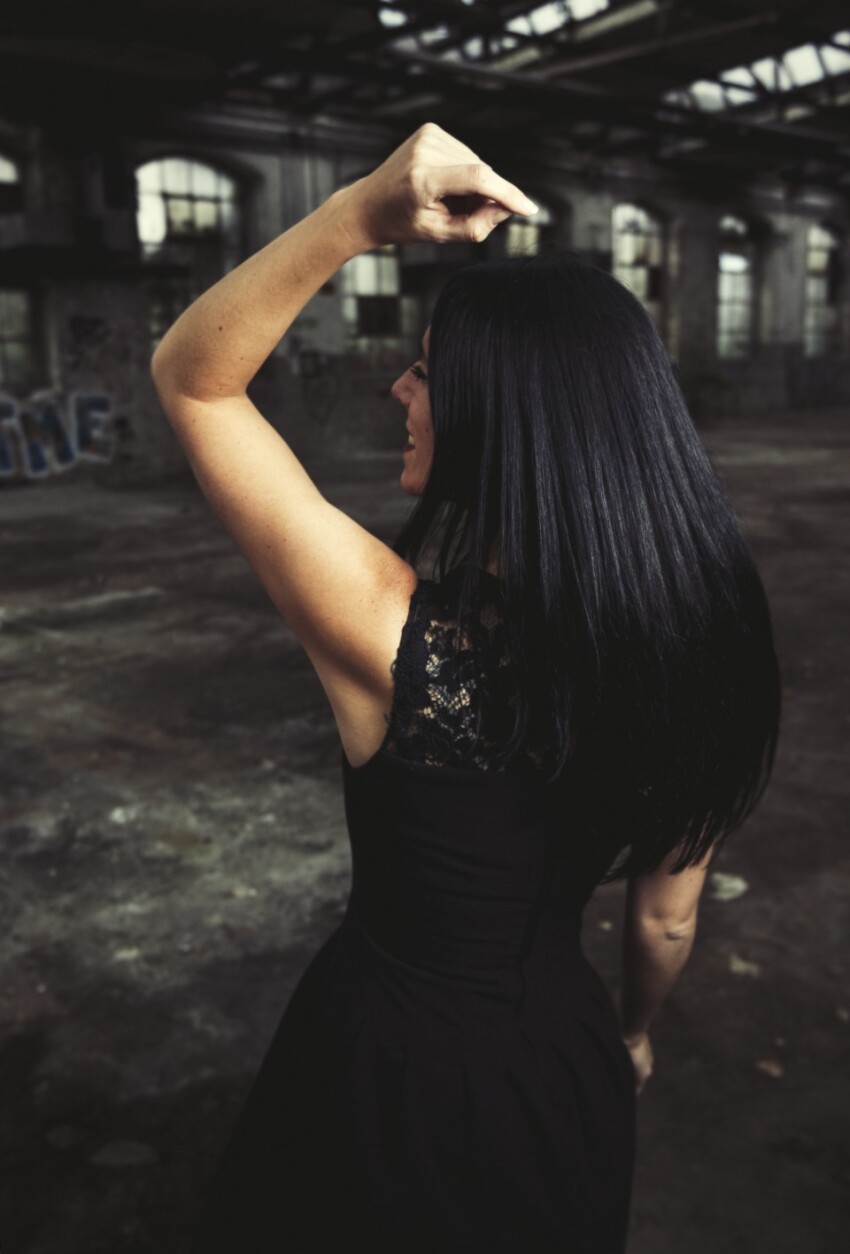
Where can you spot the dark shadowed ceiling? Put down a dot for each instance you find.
(706, 88)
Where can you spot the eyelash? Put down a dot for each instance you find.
(418, 372)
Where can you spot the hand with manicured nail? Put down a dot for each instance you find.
(431, 188)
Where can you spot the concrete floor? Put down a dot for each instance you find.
(174, 850)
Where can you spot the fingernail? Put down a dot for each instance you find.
(530, 205)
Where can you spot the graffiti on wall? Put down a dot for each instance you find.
(46, 434)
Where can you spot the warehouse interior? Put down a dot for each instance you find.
(172, 835)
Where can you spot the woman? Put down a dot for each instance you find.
(592, 673)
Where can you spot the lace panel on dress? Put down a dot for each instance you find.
(438, 694)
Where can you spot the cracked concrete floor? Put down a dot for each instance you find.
(174, 850)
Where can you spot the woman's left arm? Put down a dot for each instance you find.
(330, 578)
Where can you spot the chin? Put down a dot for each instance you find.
(410, 482)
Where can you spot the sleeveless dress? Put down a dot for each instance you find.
(449, 1073)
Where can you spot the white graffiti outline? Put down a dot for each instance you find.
(46, 434)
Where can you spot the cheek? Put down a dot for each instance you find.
(424, 423)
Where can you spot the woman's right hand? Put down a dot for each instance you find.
(640, 1049)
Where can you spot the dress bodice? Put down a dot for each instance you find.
(459, 868)
(439, 694)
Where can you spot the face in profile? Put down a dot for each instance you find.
(411, 391)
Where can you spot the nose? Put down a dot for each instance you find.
(396, 389)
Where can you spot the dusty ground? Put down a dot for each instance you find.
(174, 850)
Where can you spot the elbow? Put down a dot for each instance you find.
(157, 365)
(654, 927)
(165, 380)
(680, 930)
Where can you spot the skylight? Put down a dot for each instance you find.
(539, 21)
(745, 84)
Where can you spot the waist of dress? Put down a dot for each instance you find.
(441, 980)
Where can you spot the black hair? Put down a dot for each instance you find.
(636, 621)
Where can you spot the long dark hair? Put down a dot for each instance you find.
(635, 619)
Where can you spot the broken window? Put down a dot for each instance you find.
(637, 242)
(823, 282)
(11, 190)
(736, 262)
(380, 307)
(18, 356)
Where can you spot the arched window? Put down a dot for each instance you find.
(823, 282)
(523, 235)
(18, 354)
(189, 229)
(736, 264)
(11, 199)
(637, 247)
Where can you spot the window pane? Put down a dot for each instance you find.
(229, 219)
(521, 239)
(378, 315)
(366, 275)
(14, 315)
(638, 282)
(150, 220)
(816, 288)
(181, 216)
(349, 309)
(733, 262)
(206, 217)
(17, 366)
(148, 177)
(388, 275)
(625, 249)
(204, 180)
(654, 250)
(8, 171)
(175, 176)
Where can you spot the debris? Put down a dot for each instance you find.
(126, 955)
(741, 966)
(123, 814)
(771, 1067)
(606, 925)
(243, 890)
(726, 887)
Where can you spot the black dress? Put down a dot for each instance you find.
(449, 1073)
